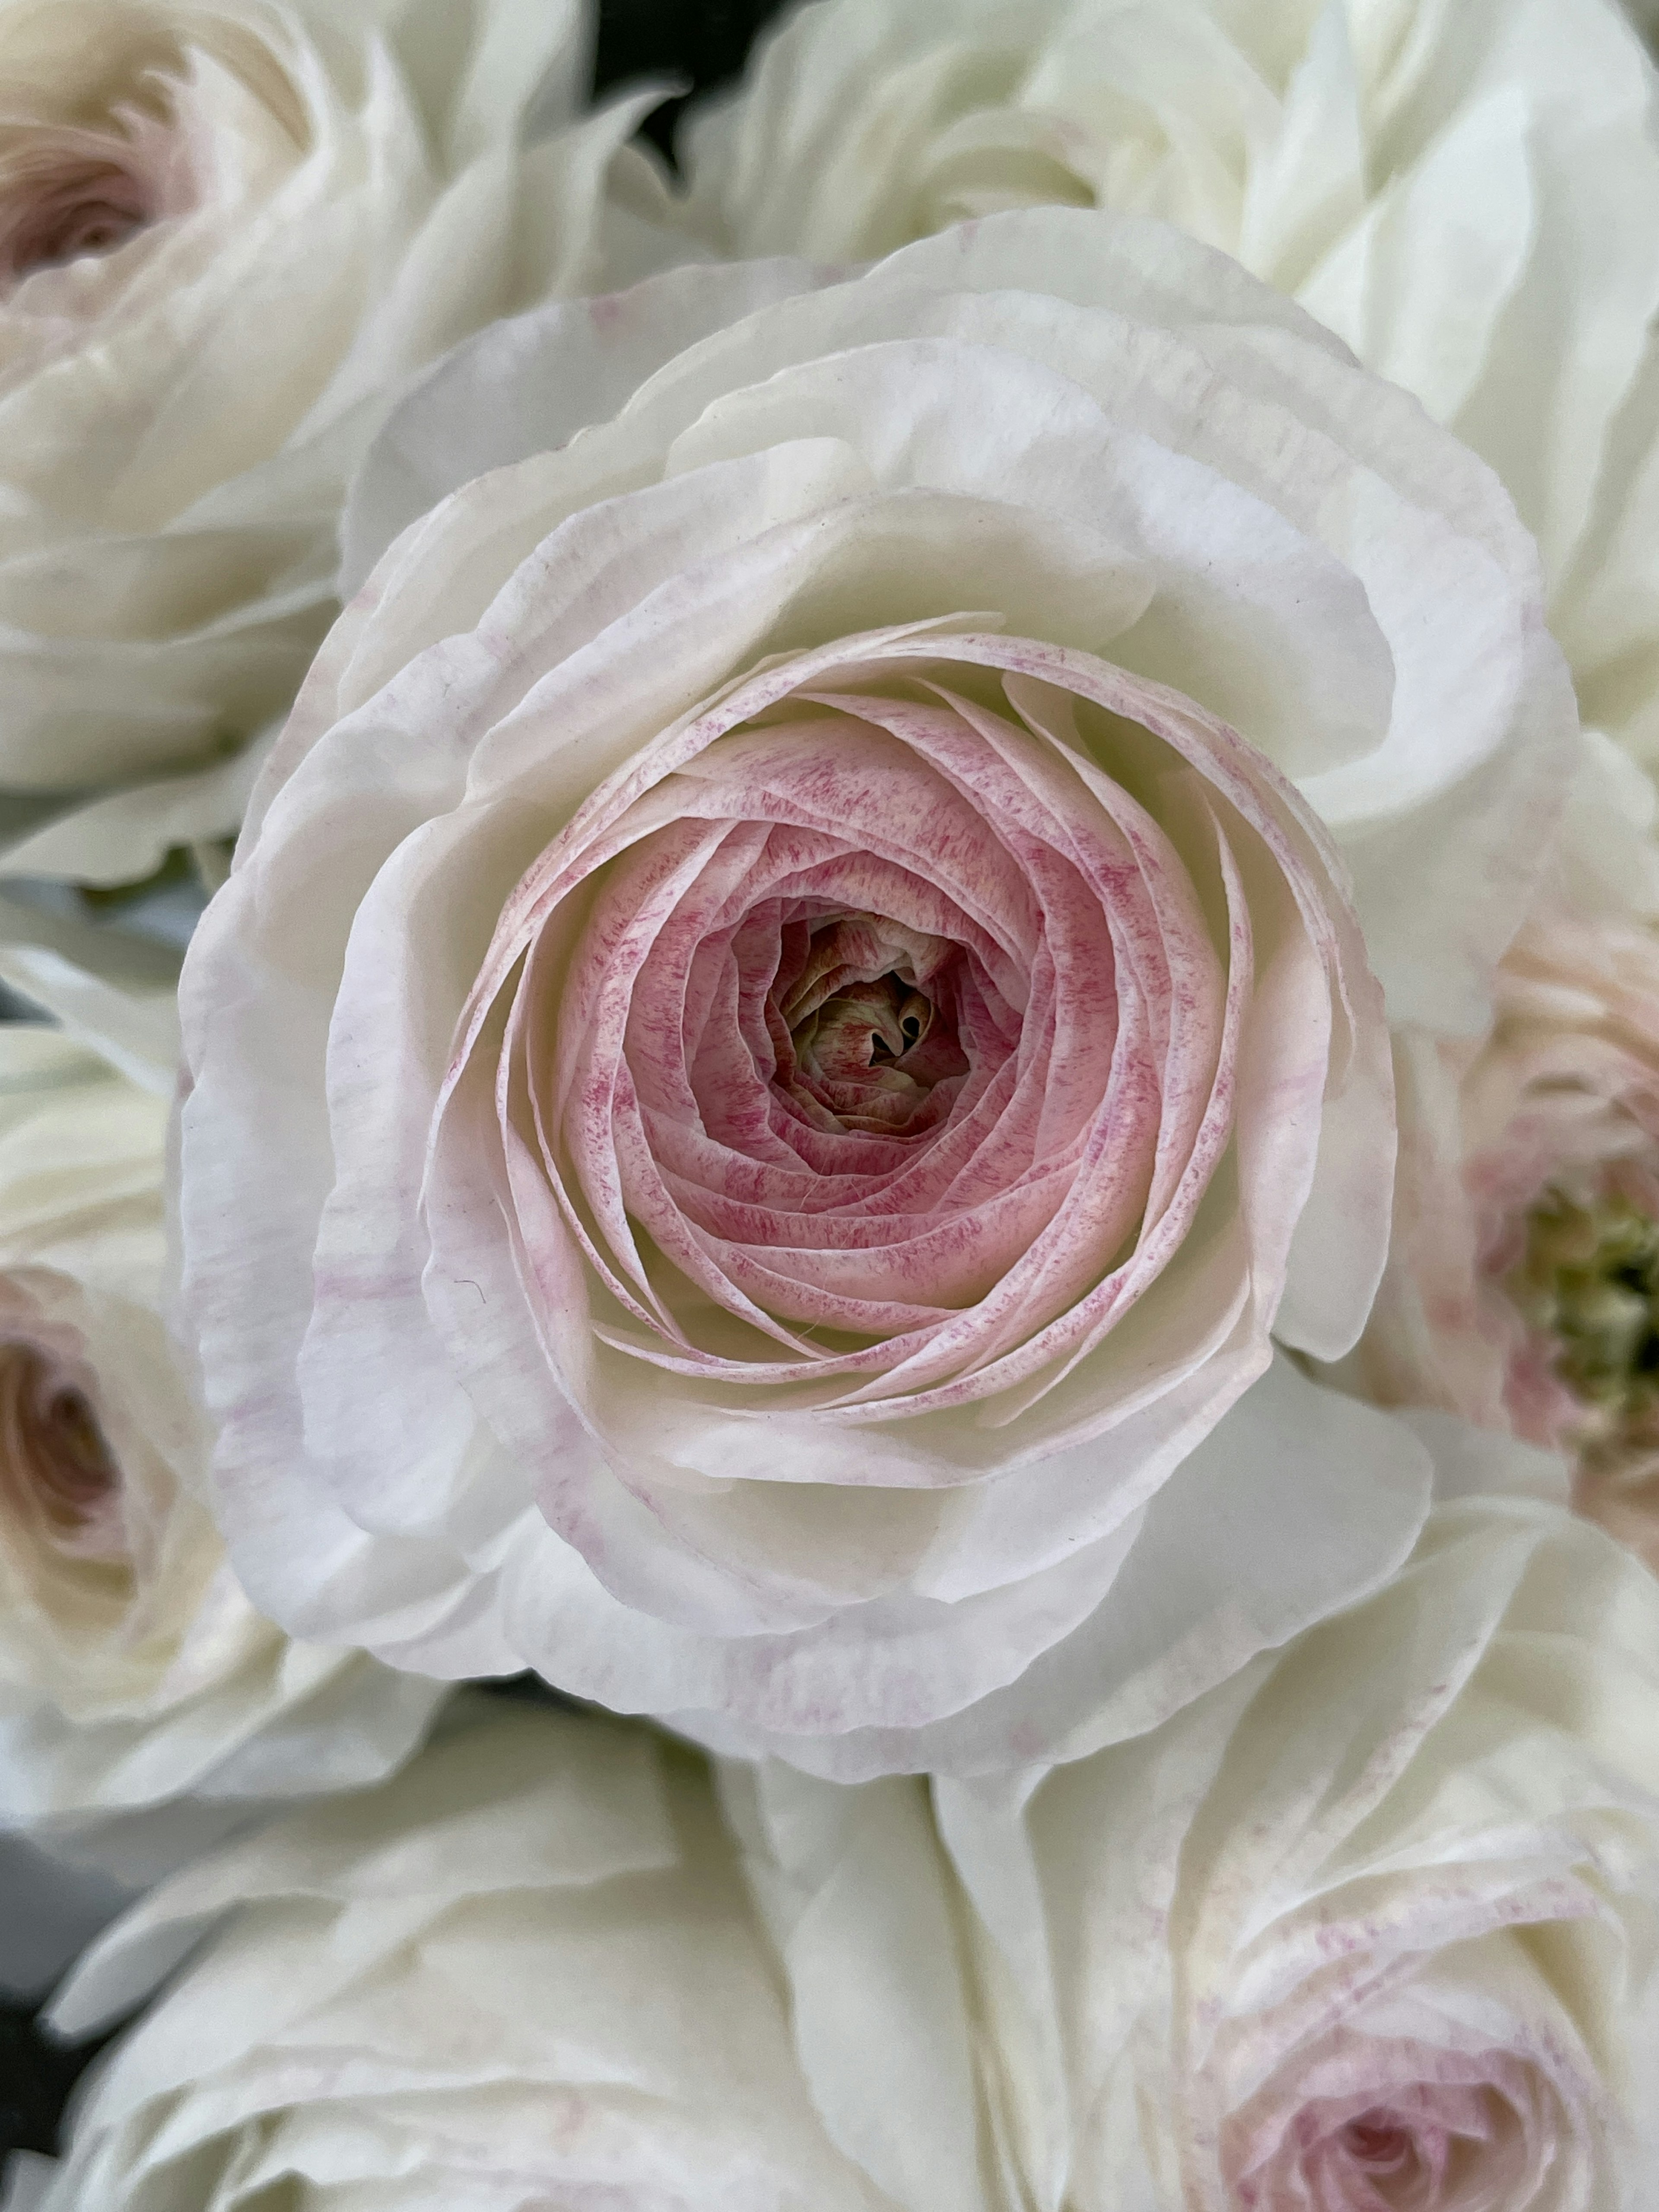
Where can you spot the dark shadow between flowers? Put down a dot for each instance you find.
(531, 1690)
(702, 43)
(36, 2072)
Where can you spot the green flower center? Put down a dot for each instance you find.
(1590, 1281)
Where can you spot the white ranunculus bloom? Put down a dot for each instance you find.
(1467, 193)
(228, 230)
(132, 1668)
(787, 1030)
(523, 1973)
(1374, 1926)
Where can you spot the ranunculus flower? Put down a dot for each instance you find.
(132, 1668)
(1468, 195)
(227, 232)
(747, 1114)
(522, 1973)
(1523, 1287)
(1373, 1928)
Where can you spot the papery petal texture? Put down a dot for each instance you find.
(1468, 195)
(824, 947)
(228, 236)
(1372, 1924)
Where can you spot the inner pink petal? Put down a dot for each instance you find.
(864, 1029)
(1466, 2137)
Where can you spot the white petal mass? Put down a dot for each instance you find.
(817, 938)
(133, 1672)
(1374, 1923)
(523, 1973)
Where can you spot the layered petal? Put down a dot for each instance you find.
(525, 1972)
(804, 934)
(1371, 1924)
(1467, 195)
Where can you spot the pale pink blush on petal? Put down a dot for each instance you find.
(1523, 1291)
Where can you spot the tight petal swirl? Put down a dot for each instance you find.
(816, 936)
(880, 1061)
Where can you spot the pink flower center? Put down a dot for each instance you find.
(1381, 2146)
(876, 1056)
(1434, 2145)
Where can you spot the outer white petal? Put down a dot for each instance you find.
(537, 1928)
(1468, 195)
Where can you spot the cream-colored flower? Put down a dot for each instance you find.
(1374, 1926)
(522, 1974)
(1469, 194)
(229, 230)
(132, 1668)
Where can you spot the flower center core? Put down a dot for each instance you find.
(875, 1023)
(54, 1453)
(87, 207)
(1376, 2141)
(861, 1019)
(1589, 1281)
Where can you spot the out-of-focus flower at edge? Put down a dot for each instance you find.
(229, 232)
(524, 1973)
(667, 878)
(1523, 1284)
(1376, 1925)
(133, 1671)
(1467, 194)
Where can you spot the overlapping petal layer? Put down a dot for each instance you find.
(689, 989)
(1370, 1927)
(803, 1103)
(522, 1974)
(1462, 193)
(227, 234)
